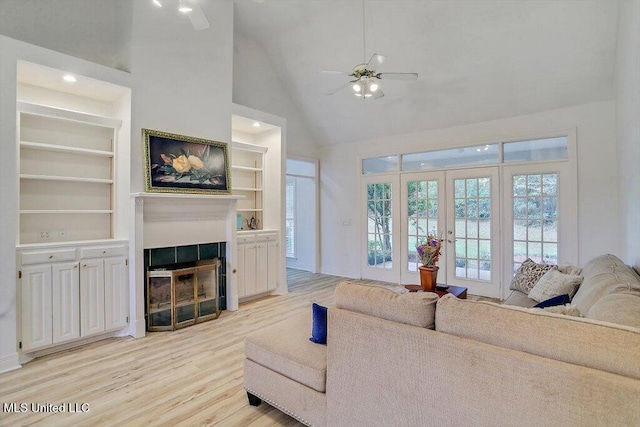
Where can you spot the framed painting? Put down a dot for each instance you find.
(184, 164)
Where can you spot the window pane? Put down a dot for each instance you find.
(537, 149)
(422, 210)
(300, 167)
(379, 225)
(380, 165)
(463, 156)
(535, 227)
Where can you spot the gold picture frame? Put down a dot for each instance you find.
(185, 164)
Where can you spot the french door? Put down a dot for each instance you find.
(472, 243)
(459, 206)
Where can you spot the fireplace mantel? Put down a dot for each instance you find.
(167, 219)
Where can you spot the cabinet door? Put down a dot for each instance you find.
(250, 284)
(36, 307)
(116, 293)
(65, 300)
(262, 267)
(91, 297)
(273, 254)
(240, 276)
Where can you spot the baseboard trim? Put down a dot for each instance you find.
(10, 362)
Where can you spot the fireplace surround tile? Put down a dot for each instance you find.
(188, 253)
(163, 256)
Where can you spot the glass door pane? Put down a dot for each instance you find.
(380, 248)
(472, 230)
(422, 214)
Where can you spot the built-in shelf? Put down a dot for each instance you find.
(64, 149)
(66, 211)
(66, 179)
(249, 210)
(186, 196)
(60, 113)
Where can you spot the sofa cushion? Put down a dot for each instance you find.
(583, 342)
(528, 275)
(621, 307)
(285, 348)
(553, 283)
(604, 275)
(416, 309)
(519, 299)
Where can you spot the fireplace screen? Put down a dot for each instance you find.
(182, 296)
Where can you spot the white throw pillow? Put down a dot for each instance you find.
(554, 283)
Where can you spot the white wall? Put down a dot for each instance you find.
(598, 216)
(255, 85)
(627, 80)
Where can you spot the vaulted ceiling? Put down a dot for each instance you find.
(477, 60)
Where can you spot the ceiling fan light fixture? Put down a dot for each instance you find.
(373, 87)
(356, 88)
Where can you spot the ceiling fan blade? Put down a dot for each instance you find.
(344, 73)
(377, 94)
(339, 88)
(197, 17)
(398, 76)
(375, 60)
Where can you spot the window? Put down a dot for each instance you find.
(380, 165)
(290, 217)
(462, 156)
(536, 150)
(472, 228)
(379, 226)
(535, 218)
(422, 216)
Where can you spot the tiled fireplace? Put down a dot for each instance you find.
(180, 228)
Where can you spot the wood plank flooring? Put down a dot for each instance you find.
(190, 377)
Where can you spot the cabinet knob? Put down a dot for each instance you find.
(50, 256)
(84, 265)
(75, 266)
(234, 271)
(104, 252)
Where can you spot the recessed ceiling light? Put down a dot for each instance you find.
(185, 9)
(157, 3)
(69, 78)
(256, 124)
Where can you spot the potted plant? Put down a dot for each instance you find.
(428, 252)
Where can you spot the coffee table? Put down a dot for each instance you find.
(456, 291)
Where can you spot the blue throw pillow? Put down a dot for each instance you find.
(557, 300)
(319, 330)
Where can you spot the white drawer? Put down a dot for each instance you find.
(102, 251)
(51, 255)
(246, 239)
(267, 237)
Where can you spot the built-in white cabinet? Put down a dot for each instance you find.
(247, 179)
(72, 293)
(258, 263)
(67, 174)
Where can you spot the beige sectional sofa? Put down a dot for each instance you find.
(414, 359)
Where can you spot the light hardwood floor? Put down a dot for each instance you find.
(189, 377)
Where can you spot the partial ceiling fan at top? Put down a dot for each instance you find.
(190, 8)
(366, 81)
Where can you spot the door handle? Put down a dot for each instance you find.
(451, 241)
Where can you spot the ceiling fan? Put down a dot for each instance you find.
(366, 81)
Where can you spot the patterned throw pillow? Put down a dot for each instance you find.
(528, 275)
(553, 283)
